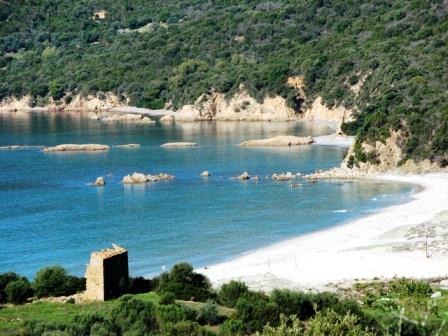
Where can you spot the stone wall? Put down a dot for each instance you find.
(107, 274)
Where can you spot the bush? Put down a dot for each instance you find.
(18, 291)
(135, 316)
(208, 313)
(255, 310)
(175, 313)
(229, 293)
(167, 298)
(185, 283)
(54, 281)
(141, 285)
(5, 279)
(329, 323)
(232, 328)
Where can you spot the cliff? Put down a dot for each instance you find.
(99, 102)
(242, 107)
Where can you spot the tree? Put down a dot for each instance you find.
(55, 90)
(54, 281)
(229, 293)
(18, 291)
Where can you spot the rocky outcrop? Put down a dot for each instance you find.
(284, 176)
(178, 144)
(129, 118)
(128, 146)
(76, 147)
(205, 173)
(18, 147)
(98, 102)
(137, 178)
(281, 140)
(318, 111)
(100, 181)
(242, 107)
(167, 119)
(243, 176)
(337, 173)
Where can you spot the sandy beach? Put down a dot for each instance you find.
(387, 244)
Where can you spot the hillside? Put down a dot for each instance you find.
(385, 60)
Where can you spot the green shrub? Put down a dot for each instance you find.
(255, 310)
(232, 328)
(185, 283)
(5, 279)
(175, 312)
(18, 291)
(329, 323)
(141, 285)
(229, 293)
(135, 316)
(54, 281)
(167, 298)
(208, 313)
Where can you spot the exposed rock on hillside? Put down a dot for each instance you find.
(215, 106)
(281, 140)
(76, 147)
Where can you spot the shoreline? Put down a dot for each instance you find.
(384, 245)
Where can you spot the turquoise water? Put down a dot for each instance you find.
(49, 214)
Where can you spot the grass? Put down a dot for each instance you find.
(12, 317)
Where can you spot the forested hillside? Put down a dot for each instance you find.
(157, 51)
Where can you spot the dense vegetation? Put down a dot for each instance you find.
(396, 48)
(399, 307)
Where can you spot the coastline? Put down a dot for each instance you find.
(384, 245)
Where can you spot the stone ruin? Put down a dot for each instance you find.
(107, 275)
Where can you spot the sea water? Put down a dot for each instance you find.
(50, 214)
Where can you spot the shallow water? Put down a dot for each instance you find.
(49, 214)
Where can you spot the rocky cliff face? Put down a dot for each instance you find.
(98, 102)
(243, 107)
(388, 157)
(215, 106)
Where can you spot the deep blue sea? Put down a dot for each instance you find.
(50, 215)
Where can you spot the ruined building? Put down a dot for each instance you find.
(107, 274)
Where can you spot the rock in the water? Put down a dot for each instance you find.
(178, 144)
(205, 173)
(142, 178)
(100, 181)
(128, 118)
(75, 147)
(243, 176)
(166, 119)
(281, 140)
(16, 147)
(128, 146)
(283, 176)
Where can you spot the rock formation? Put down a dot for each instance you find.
(215, 106)
(128, 146)
(178, 144)
(283, 176)
(76, 147)
(100, 181)
(130, 118)
(205, 173)
(167, 119)
(243, 176)
(281, 140)
(137, 178)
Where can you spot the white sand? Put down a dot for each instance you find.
(386, 244)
